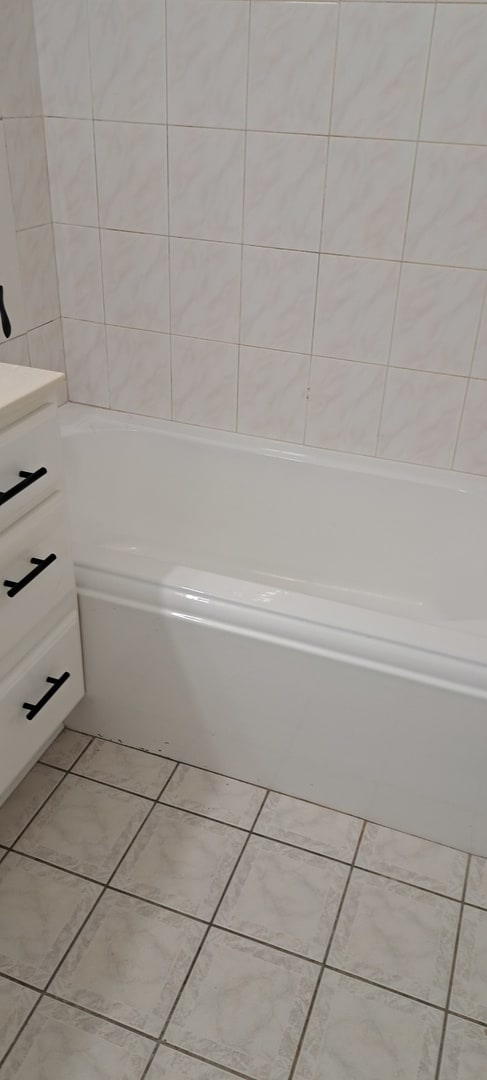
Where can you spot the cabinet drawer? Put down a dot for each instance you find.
(29, 464)
(28, 590)
(21, 738)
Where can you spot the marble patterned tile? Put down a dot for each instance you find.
(477, 882)
(204, 382)
(206, 173)
(71, 160)
(181, 860)
(139, 371)
(471, 454)
(437, 318)
(278, 295)
(79, 271)
(16, 1002)
(380, 69)
(469, 993)
(272, 393)
(85, 827)
(464, 1051)
(131, 167)
(367, 1033)
(136, 279)
(284, 897)
(64, 57)
(127, 39)
(396, 935)
(25, 800)
(42, 910)
(60, 1041)
(345, 400)
(205, 289)
(27, 166)
(46, 346)
(86, 361)
(20, 93)
(448, 206)
(355, 308)
(214, 796)
(170, 1064)
(284, 188)
(410, 859)
(420, 417)
(310, 826)
(366, 200)
(244, 1006)
(124, 767)
(292, 49)
(129, 962)
(68, 746)
(38, 274)
(455, 92)
(207, 44)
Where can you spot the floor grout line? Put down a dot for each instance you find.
(452, 971)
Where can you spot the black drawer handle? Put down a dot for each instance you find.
(14, 587)
(56, 685)
(28, 479)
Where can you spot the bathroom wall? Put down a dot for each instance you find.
(270, 216)
(39, 341)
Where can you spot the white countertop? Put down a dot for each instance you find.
(23, 389)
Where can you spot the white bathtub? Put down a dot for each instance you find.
(311, 621)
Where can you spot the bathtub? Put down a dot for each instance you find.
(311, 621)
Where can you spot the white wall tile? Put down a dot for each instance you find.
(456, 93)
(207, 47)
(206, 168)
(420, 417)
(135, 280)
(366, 199)
(380, 69)
(344, 405)
(437, 318)
(479, 368)
(471, 455)
(292, 50)
(71, 161)
(15, 351)
(205, 289)
(64, 57)
(139, 371)
(127, 40)
(27, 167)
(38, 274)
(449, 206)
(284, 187)
(272, 393)
(86, 362)
(131, 168)
(79, 272)
(20, 93)
(354, 308)
(204, 382)
(278, 295)
(46, 347)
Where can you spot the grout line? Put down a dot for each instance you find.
(483, 307)
(207, 1061)
(41, 807)
(385, 986)
(242, 223)
(452, 972)
(168, 200)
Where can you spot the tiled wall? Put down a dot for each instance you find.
(21, 108)
(272, 216)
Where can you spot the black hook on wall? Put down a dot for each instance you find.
(6, 324)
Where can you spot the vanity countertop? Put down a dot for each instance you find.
(23, 389)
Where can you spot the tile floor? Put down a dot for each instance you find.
(162, 922)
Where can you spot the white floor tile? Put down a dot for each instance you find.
(41, 910)
(284, 897)
(477, 882)
(244, 1006)
(469, 994)
(85, 827)
(181, 860)
(16, 1001)
(62, 1043)
(25, 800)
(133, 770)
(309, 826)
(418, 862)
(171, 1064)
(65, 749)
(396, 935)
(214, 795)
(361, 1032)
(129, 962)
(464, 1051)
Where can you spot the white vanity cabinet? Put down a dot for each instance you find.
(41, 673)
